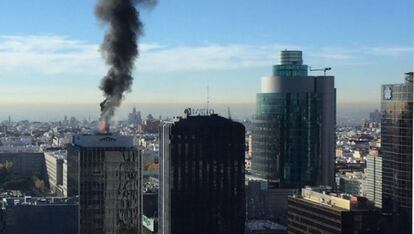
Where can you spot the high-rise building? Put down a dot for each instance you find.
(374, 178)
(294, 133)
(202, 176)
(134, 118)
(105, 171)
(397, 151)
(375, 116)
(315, 210)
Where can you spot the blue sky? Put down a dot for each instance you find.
(49, 49)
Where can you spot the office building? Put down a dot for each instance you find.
(202, 176)
(264, 227)
(294, 132)
(150, 212)
(351, 185)
(316, 210)
(105, 171)
(397, 152)
(150, 205)
(46, 215)
(255, 191)
(134, 118)
(374, 179)
(375, 116)
(56, 165)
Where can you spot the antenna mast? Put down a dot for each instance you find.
(208, 97)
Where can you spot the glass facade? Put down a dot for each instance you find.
(396, 148)
(294, 133)
(202, 176)
(285, 141)
(290, 70)
(107, 176)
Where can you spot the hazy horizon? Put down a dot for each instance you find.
(52, 54)
(347, 113)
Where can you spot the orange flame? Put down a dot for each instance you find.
(103, 127)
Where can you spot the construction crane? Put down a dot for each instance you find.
(321, 69)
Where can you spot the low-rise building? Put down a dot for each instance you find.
(317, 210)
(264, 227)
(56, 167)
(46, 215)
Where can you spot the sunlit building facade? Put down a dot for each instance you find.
(294, 132)
(397, 152)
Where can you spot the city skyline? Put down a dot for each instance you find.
(225, 117)
(52, 53)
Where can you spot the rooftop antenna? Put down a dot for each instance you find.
(228, 112)
(208, 97)
(324, 69)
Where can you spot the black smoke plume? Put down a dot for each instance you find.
(120, 48)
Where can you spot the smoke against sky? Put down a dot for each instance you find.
(43, 62)
(120, 48)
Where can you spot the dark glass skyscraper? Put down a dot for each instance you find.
(397, 152)
(294, 133)
(202, 176)
(105, 171)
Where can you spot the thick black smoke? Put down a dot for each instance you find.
(119, 48)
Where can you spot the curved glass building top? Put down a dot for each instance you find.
(291, 64)
(294, 133)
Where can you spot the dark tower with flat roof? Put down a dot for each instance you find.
(202, 176)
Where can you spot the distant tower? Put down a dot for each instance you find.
(134, 118)
(397, 152)
(294, 133)
(374, 177)
(202, 176)
(105, 171)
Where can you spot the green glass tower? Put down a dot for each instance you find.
(294, 133)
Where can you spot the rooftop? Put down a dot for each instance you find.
(257, 225)
(325, 196)
(58, 154)
(103, 141)
(38, 201)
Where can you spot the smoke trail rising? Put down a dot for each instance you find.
(119, 49)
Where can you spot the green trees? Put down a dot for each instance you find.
(39, 184)
(10, 180)
(6, 165)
